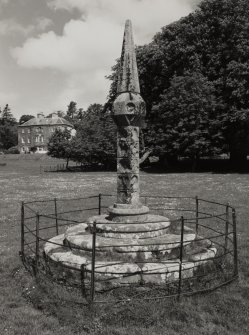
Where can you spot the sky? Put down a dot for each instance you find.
(56, 51)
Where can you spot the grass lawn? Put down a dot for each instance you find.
(22, 311)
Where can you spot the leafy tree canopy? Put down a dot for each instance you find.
(73, 114)
(6, 117)
(58, 113)
(60, 145)
(212, 41)
(24, 118)
(95, 140)
(185, 122)
(8, 129)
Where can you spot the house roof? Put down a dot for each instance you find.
(42, 121)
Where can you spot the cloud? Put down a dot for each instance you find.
(84, 89)
(3, 3)
(84, 53)
(12, 27)
(148, 16)
(88, 47)
(82, 47)
(42, 23)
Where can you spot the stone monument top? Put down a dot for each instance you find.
(128, 74)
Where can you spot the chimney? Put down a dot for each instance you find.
(40, 115)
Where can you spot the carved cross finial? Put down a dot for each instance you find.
(128, 74)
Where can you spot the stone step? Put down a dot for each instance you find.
(164, 244)
(153, 226)
(117, 273)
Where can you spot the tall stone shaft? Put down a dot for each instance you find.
(128, 113)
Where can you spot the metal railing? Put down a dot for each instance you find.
(208, 220)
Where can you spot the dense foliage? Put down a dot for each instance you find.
(94, 142)
(211, 46)
(8, 129)
(74, 114)
(185, 120)
(60, 145)
(24, 118)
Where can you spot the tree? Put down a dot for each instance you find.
(24, 118)
(8, 129)
(73, 114)
(214, 41)
(58, 113)
(185, 121)
(72, 109)
(60, 145)
(6, 116)
(95, 140)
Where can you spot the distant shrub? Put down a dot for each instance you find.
(12, 150)
(33, 149)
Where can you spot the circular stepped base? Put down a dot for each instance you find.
(121, 260)
(147, 247)
(153, 226)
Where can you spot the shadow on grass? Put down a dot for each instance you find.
(222, 166)
(203, 166)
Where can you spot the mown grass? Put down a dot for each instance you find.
(29, 308)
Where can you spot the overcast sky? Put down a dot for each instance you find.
(55, 51)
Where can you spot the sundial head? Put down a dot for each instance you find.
(128, 107)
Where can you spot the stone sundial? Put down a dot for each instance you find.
(128, 232)
(128, 113)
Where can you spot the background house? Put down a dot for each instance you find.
(36, 132)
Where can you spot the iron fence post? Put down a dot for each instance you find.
(82, 278)
(226, 228)
(235, 251)
(181, 256)
(100, 198)
(37, 227)
(93, 262)
(22, 229)
(56, 219)
(196, 215)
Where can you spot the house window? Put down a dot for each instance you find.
(42, 138)
(37, 129)
(37, 138)
(28, 140)
(23, 130)
(22, 140)
(28, 130)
